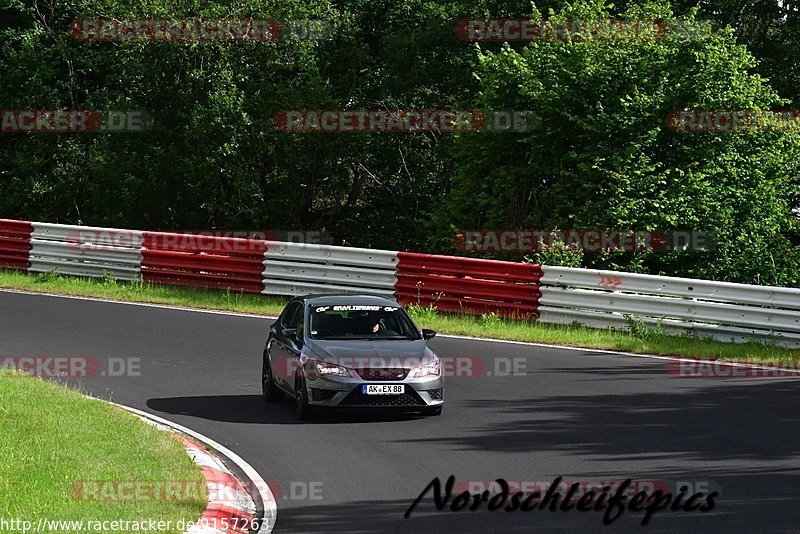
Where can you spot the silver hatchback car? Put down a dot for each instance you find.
(350, 352)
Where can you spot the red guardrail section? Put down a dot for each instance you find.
(15, 244)
(468, 285)
(205, 261)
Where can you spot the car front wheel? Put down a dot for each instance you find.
(302, 407)
(268, 388)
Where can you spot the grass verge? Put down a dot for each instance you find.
(53, 439)
(639, 339)
(108, 288)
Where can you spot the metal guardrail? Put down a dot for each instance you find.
(468, 285)
(204, 261)
(85, 251)
(720, 310)
(15, 244)
(298, 269)
(562, 295)
(673, 308)
(603, 320)
(778, 297)
(331, 255)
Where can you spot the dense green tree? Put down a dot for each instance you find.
(603, 157)
(213, 159)
(769, 28)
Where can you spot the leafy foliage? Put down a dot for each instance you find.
(601, 158)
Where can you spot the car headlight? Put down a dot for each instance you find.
(329, 369)
(429, 369)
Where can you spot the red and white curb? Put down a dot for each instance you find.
(231, 507)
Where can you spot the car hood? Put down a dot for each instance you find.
(382, 353)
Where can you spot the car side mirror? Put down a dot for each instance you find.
(291, 333)
(428, 333)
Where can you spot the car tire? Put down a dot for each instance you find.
(433, 411)
(268, 388)
(303, 409)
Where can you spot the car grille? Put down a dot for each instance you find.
(437, 394)
(382, 373)
(356, 398)
(318, 394)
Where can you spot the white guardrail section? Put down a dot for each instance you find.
(720, 310)
(86, 251)
(299, 269)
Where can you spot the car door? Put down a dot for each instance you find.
(285, 351)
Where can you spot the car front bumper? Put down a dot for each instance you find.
(346, 392)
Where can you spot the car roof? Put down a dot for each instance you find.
(322, 300)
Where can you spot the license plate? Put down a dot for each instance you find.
(383, 389)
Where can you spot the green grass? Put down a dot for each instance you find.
(52, 437)
(638, 339)
(108, 288)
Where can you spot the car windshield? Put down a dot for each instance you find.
(361, 322)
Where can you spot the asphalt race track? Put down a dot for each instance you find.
(576, 414)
